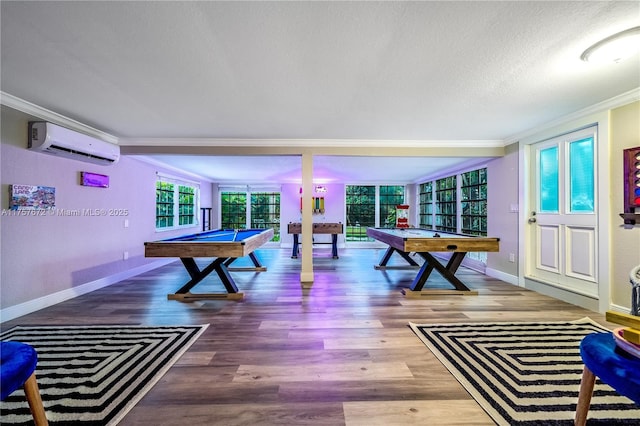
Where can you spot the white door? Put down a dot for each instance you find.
(562, 229)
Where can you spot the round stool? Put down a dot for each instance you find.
(17, 370)
(603, 359)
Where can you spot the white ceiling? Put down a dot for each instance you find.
(429, 72)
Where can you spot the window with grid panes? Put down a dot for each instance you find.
(265, 212)
(233, 208)
(446, 204)
(390, 196)
(473, 193)
(426, 205)
(186, 205)
(361, 211)
(164, 204)
(176, 203)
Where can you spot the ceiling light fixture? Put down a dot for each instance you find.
(614, 48)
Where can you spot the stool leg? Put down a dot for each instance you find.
(34, 399)
(584, 397)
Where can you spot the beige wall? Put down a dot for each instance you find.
(625, 241)
(502, 214)
(48, 258)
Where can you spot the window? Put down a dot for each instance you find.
(548, 184)
(361, 204)
(361, 211)
(186, 205)
(176, 203)
(426, 205)
(467, 216)
(245, 209)
(233, 206)
(473, 195)
(164, 204)
(446, 204)
(581, 176)
(390, 197)
(265, 212)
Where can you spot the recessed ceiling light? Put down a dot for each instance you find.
(614, 48)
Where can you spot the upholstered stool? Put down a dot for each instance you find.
(603, 359)
(17, 370)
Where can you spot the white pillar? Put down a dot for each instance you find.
(306, 276)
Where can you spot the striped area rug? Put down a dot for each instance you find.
(525, 373)
(93, 375)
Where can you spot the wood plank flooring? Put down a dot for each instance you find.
(339, 353)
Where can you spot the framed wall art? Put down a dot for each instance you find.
(32, 197)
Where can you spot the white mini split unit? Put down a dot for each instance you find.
(52, 139)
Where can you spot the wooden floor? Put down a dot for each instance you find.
(338, 353)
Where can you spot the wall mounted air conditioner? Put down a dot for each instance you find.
(56, 140)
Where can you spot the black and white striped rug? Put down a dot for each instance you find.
(93, 375)
(525, 373)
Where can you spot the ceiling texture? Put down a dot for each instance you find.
(313, 73)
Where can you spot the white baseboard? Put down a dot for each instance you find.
(618, 308)
(25, 308)
(494, 273)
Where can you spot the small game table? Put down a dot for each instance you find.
(423, 242)
(318, 228)
(225, 245)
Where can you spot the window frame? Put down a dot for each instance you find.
(248, 192)
(375, 211)
(446, 204)
(477, 205)
(478, 259)
(275, 203)
(426, 205)
(176, 212)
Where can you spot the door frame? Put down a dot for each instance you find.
(603, 209)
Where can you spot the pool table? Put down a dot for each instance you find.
(225, 245)
(423, 242)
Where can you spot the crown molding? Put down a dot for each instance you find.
(306, 143)
(181, 174)
(53, 117)
(615, 102)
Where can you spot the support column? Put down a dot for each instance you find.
(306, 276)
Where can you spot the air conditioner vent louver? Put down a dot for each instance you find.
(59, 148)
(52, 139)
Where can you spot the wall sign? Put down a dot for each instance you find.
(94, 179)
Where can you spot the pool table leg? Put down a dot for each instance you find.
(387, 255)
(334, 245)
(226, 279)
(255, 260)
(447, 272)
(198, 275)
(257, 266)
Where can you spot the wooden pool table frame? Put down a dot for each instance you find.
(225, 253)
(458, 245)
